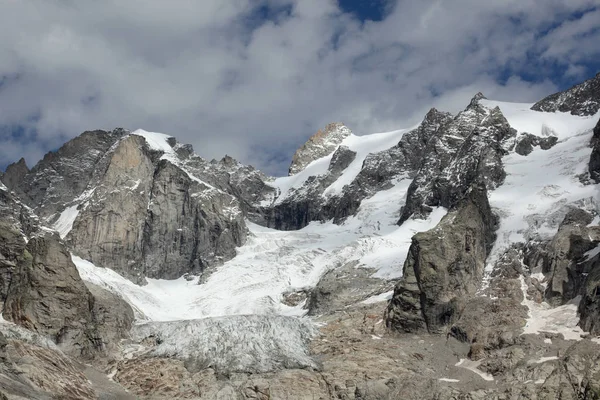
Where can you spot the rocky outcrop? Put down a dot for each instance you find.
(494, 319)
(589, 306)
(444, 267)
(46, 295)
(594, 164)
(581, 99)
(112, 317)
(189, 226)
(63, 175)
(319, 145)
(378, 172)
(526, 142)
(466, 150)
(343, 287)
(31, 370)
(161, 223)
(12, 245)
(15, 173)
(565, 261)
(109, 229)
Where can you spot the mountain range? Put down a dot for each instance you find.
(455, 259)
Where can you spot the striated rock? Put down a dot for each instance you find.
(341, 159)
(31, 371)
(526, 142)
(444, 267)
(46, 295)
(109, 230)
(12, 245)
(581, 99)
(319, 145)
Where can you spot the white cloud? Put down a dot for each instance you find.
(214, 75)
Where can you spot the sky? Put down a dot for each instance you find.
(255, 78)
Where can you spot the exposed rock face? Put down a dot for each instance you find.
(564, 260)
(342, 287)
(319, 145)
(189, 226)
(444, 267)
(46, 295)
(162, 223)
(582, 99)
(64, 174)
(589, 306)
(468, 149)
(496, 319)
(15, 173)
(12, 245)
(526, 142)
(109, 229)
(378, 172)
(30, 370)
(112, 317)
(594, 164)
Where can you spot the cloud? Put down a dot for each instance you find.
(255, 78)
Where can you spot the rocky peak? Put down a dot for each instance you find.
(582, 99)
(15, 173)
(466, 148)
(319, 145)
(64, 174)
(475, 100)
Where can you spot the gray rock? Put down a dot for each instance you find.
(589, 306)
(12, 245)
(377, 173)
(341, 159)
(526, 142)
(444, 267)
(109, 229)
(319, 145)
(495, 320)
(343, 287)
(47, 295)
(581, 99)
(189, 226)
(466, 150)
(112, 317)
(594, 164)
(63, 175)
(563, 261)
(15, 173)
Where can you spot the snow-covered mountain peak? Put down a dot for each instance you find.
(582, 99)
(321, 144)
